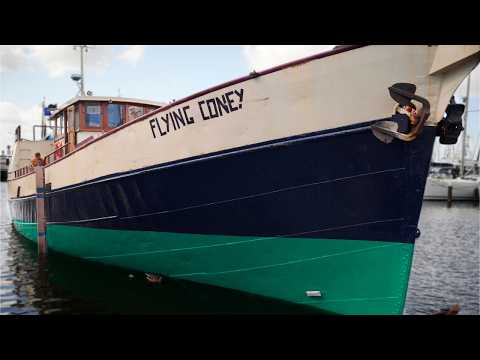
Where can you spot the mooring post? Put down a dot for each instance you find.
(449, 200)
(41, 216)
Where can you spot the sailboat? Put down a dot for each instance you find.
(463, 185)
(302, 183)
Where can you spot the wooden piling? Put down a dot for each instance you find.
(41, 216)
(450, 196)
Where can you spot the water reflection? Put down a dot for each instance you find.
(69, 285)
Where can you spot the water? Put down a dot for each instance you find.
(445, 271)
(446, 264)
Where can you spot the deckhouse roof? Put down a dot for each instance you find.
(107, 98)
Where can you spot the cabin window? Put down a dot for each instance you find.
(76, 121)
(134, 112)
(93, 115)
(59, 125)
(115, 115)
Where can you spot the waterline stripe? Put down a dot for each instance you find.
(82, 221)
(242, 241)
(287, 263)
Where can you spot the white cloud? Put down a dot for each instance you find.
(12, 57)
(12, 115)
(59, 60)
(474, 85)
(62, 59)
(132, 54)
(261, 57)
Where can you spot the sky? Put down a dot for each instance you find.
(152, 72)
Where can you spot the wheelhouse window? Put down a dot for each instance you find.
(134, 112)
(93, 115)
(115, 115)
(59, 125)
(76, 115)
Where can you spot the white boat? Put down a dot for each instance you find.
(462, 188)
(462, 178)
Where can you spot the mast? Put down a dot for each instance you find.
(42, 133)
(464, 137)
(82, 74)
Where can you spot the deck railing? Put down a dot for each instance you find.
(26, 170)
(56, 154)
(51, 157)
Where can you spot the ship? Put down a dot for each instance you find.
(4, 162)
(440, 180)
(450, 181)
(301, 183)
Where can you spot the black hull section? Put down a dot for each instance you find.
(24, 209)
(342, 184)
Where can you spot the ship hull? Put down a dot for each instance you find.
(272, 184)
(334, 212)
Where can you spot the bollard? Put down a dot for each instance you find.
(41, 216)
(449, 200)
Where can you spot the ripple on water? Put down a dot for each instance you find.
(446, 260)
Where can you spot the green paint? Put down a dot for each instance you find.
(354, 276)
(29, 230)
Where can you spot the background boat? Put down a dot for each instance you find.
(452, 167)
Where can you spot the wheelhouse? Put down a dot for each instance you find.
(78, 121)
(82, 119)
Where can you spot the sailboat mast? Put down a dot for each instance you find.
(464, 137)
(42, 132)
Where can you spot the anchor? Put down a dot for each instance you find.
(403, 94)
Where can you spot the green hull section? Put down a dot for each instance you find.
(353, 276)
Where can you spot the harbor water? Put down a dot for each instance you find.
(445, 271)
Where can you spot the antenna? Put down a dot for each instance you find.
(80, 78)
(43, 131)
(464, 137)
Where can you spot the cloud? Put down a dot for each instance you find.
(132, 54)
(12, 57)
(12, 115)
(62, 59)
(59, 60)
(474, 85)
(261, 57)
